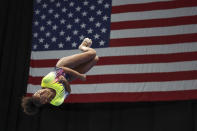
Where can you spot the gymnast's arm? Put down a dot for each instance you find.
(66, 83)
(74, 73)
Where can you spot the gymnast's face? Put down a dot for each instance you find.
(43, 95)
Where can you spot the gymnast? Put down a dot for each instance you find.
(55, 85)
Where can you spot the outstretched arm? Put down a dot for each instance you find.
(74, 73)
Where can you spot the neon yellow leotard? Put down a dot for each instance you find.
(49, 81)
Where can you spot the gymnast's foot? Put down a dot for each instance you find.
(85, 44)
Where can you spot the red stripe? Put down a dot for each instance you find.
(132, 97)
(153, 6)
(133, 59)
(154, 23)
(127, 78)
(155, 40)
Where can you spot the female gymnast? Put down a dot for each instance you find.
(55, 85)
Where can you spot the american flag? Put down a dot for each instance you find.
(147, 48)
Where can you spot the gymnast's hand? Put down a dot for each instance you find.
(82, 77)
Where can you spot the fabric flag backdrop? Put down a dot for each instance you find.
(147, 48)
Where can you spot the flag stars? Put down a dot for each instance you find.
(43, 17)
(58, 4)
(64, 10)
(90, 31)
(77, 20)
(100, 1)
(75, 32)
(52, 1)
(49, 22)
(81, 37)
(42, 28)
(69, 26)
(98, 24)
(92, 7)
(36, 23)
(35, 47)
(53, 39)
(85, 3)
(106, 5)
(84, 13)
(103, 30)
(96, 36)
(101, 43)
(71, 4)
(44, 5)
(48, 34)
(78, 8)
(70, 15)
(105, 18)
(62, 21)
(50, 11)
(91, 19)
(56, 15)
(62, 33)
(83, 25)
(61, 45)
(35, 35)
(68, 38)
(41, 40)
(55, 27)
(38, 1)
(74, 44)
(37, 12)
(46, 46)
(99, 12)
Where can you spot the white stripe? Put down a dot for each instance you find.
(128, 68)
(125, 2)
(127, 87)
(157, 31)
(121, 51)
(156, 14)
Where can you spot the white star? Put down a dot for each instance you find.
(43, 17)
(106, 5)
(99, 12)
(55, 27)
(37, 12)
(61, 45)
(98, 24)
(75, 32)
(35, 35)
(81, 37)
(99, 1)
(58, 4)
(77, 20)
(36, 23)
(69, 26)
(84, 13)
(70, 15)
(56, 15)
(68, 38)
(105, 17)
(62, 33)
(42, 28)
(38, 1)
(48, 34)
(92, 7)
(103, 30)
(46, 46)
(62, 21)
(101, 43)
(91, 19)
(74, 44)
(90, 31)
(44, 5)
(96, 36)
(71, 4)
(41, 40)
(35, 47)
(52, 0)
(50, 11)
(78, 8)
(85, 3)
(49, 22)
(83, 25)
(53, 39)
(64, 10)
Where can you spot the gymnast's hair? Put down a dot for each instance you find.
(31, 105)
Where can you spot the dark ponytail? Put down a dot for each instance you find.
(31, 105)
